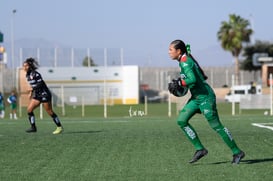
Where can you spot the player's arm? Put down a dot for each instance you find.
(39, 81)
(189, 77)
(29, 90)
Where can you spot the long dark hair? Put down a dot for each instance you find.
(32, 63)
(179, 44)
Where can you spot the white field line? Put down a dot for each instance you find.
(75, 122)
(7, 123)
(264, 125)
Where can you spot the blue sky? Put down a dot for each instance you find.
(143, 28)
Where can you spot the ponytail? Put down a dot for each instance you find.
(200, 69)
(188, 48)
(179, 44)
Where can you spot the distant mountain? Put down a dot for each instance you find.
(37, 43)
(213, 56)
(29, 47)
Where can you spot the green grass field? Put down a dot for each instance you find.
(133, 148)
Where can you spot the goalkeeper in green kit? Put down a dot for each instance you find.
(202, 100)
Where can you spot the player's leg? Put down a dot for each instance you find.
(183, 121)
(49, 110)
(14, 111)
(208, 108)
(10, 114)
(31, 117)
(2, 110)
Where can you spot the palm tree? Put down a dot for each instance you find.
(232, 35)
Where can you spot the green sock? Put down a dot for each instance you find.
(192, 136)
(226, 136)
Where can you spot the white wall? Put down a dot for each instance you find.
(121, 82)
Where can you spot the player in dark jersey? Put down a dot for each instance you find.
(2, 106)
(202, 100)
(39, 94)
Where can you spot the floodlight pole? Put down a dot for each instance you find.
(12, 38)
(12, 46)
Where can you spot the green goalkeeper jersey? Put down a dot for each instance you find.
(193, 78)
(203, 101)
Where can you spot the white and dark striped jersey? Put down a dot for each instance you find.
(35, 80)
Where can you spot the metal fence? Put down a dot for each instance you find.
(158, 78)
(70, 57)
(55, 57)
(155, 77)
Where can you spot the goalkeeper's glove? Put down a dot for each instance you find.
(172, 88)
(178, 81)
(176, 88)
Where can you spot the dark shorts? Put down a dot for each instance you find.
(13, 106)
(42, 95)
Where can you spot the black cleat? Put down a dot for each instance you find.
(198, 154)
(238, 157)
(31, 130)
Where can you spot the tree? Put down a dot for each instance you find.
(258, 47)
(1, 37)
(88, 62)
(232, 35)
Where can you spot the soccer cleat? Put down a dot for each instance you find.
(31, 130)
(238, 157)
(198, 154)
(58, 130)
